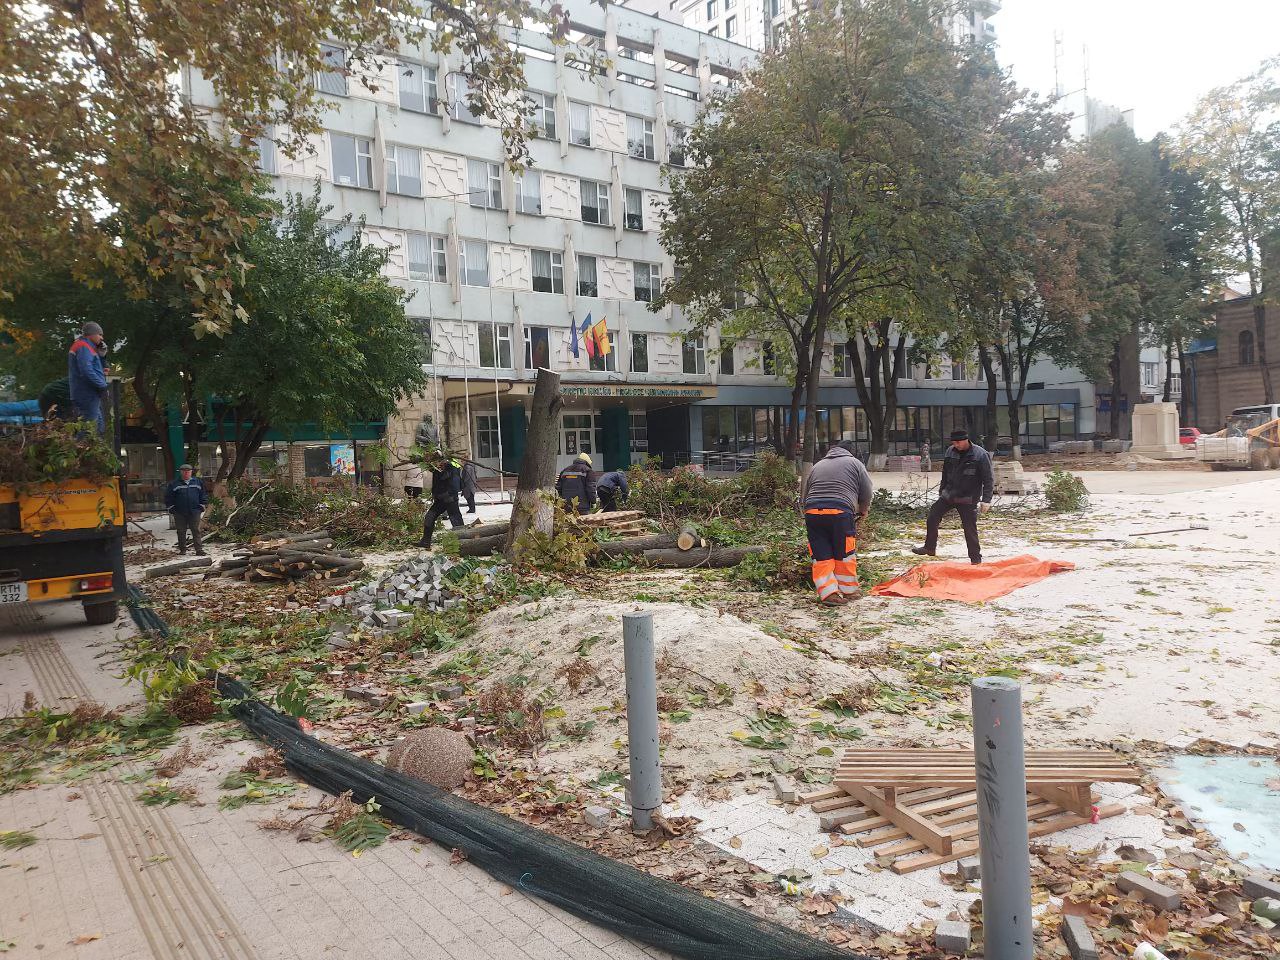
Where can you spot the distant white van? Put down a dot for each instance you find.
(1268, 411)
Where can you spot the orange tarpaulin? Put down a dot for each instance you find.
(972, 583)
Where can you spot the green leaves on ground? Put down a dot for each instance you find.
(17, 839)
(251, 790)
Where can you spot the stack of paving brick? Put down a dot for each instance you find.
(902, 465)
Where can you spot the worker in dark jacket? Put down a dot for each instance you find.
(469, 485)
(837, 495)
(88, 379)
(446, 485)
(967, 486)
(186, 499)
(55, 400)
(575, 486)
(613, 490)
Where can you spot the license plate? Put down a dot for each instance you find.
(13, 593)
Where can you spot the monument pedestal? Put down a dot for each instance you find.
(1155, 432)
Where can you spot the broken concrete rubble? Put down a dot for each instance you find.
(420, 582)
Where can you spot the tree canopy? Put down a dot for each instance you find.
(94, 122)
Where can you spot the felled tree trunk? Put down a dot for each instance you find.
(724, 557)
(531, 509)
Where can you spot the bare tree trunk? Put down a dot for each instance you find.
(1187, 386)
(797, 395)
(1115, 391)
(991, 419)
(1168, 369)
(531, 511)
(811, 400)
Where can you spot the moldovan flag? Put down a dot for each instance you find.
(599, 335)
(573, 335)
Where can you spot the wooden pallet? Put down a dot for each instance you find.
(919, 808)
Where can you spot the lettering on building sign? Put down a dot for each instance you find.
(692, 393)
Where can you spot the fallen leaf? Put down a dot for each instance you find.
(932, 903)
(819, 852)
(736, 843)
(85, 938)
(1239, 826)
(817, 906)
(457, 856)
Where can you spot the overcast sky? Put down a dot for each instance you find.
(1156, 57)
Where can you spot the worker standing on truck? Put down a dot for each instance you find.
(967, 486)
(186, 499)
(88, 380)
(575, 486)
(836, 496)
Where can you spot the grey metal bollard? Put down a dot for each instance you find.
(1003, 846)
(642, 717)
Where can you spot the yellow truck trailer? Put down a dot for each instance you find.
(64, 541)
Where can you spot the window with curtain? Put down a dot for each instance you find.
(1246, 347)
(404, 170)
(418, 89)
(528, 187)
(587, 285)
(473, 262)
(548, 271)
(427, 260)
(332, 77)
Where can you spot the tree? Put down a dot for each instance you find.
(1231, 141)
(833, 177)
(327, 340)
(93, 122)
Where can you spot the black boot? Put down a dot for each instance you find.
(923, 552)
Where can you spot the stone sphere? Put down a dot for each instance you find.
(440, 757)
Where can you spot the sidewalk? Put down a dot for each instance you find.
(133, 882)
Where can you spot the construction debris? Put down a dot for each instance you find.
(422, 582)
(1152, 891)
(302, 556)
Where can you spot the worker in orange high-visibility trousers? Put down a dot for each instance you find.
(836, 495)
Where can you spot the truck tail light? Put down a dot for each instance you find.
(102, 582)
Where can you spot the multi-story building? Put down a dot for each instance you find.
(504, 268)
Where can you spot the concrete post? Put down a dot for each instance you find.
(1000, 760)
(642, 717)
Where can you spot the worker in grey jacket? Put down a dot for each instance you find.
(836, 495)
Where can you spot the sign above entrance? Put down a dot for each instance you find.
(623, 391)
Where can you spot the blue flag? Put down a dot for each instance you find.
(573, 333)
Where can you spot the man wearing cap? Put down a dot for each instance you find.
(186, 499)
(446, 485)
(87, 378)
(575, 486)
(967, 485)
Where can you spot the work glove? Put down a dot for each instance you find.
(984, 508)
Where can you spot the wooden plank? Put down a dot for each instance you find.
(827, 793)
(835, 803)
(913, 823)
(1075, 799)
(949, 805)
(943, 778)
(963, 825)
(968, 848)
(965, 752)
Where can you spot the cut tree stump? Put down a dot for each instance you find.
(723, 557)
(688, 537)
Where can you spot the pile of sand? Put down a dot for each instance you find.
(532, 644)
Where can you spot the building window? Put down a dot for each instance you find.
(676, 135)
(695, 355)
(459, 106)
(731, 26)
(332, 77)
(713, 9)
(1150, 374)
(580, 124)
(266, 154)
(648, 281)
(544, 114)
(537, 348)
(713, 31)
(418, 89)
(427, 258)
(495, 345)
(639, 430)
(595, 203)
(960, 370)
(775, 7)
(352, 160)
(473, 263)
(528, 192)
(841, 363)
(548, 271)
(486, 437)
(640, 138)
(484, 181)
(726, 360)
(423, 326)
(341, 233)
(1246, 348)
(609, 362)
(1175, 384)
(639, 353)
(587, 286)
(633, 214)
(404, 170)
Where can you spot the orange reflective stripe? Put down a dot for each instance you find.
(850, 544)
(824, 512)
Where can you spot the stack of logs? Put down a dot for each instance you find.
(303, 556)
(682, 549)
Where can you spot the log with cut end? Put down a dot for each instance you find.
(165, 569)
(634, 545)
(482, 531)
(688, 538)
(719, 557)
(482, 546)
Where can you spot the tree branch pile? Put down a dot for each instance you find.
(305, 556)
